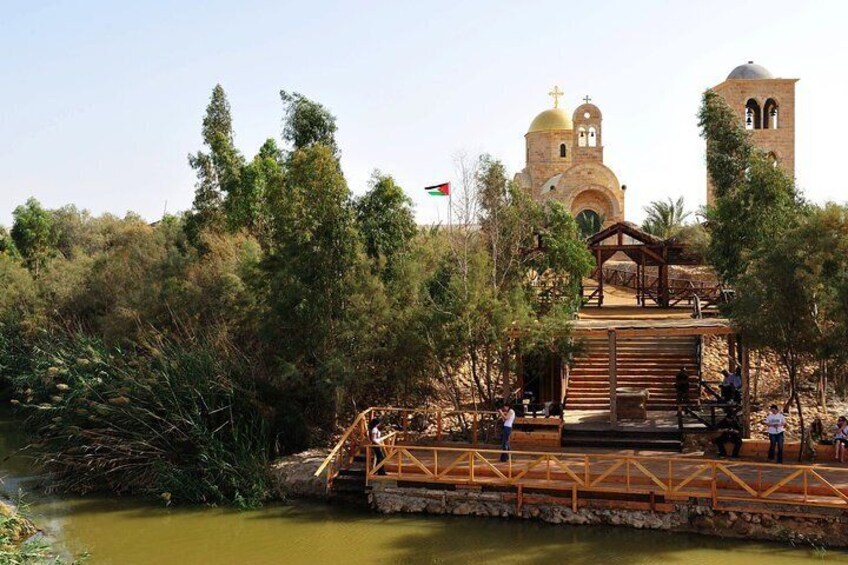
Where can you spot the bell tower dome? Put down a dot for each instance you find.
(766, 108)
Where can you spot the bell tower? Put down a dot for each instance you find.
(766, 107)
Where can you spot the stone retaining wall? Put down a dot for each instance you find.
(825, 527)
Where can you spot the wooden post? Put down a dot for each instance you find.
(600, 278)
(474, 430)
(612, 378)
(746, 391)
(731, 352)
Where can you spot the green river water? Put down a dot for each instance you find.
(128, 532)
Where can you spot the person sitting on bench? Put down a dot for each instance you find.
(731, 432)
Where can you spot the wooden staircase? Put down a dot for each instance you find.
(643, 362)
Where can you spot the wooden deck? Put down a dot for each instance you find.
(425, 456)
(673, 478)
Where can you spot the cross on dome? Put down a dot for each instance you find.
(587, 99)
(555, 94)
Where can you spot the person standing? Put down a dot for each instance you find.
(508, 417)
(377, 442)
(840, 439)
(776, 423)
(681, 385)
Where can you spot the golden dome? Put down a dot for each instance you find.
(549, 120)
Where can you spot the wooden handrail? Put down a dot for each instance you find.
(340, 444)
(719, 480)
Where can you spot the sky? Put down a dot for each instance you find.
(101, 102)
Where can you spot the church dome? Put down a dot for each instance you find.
(549, 120)
(749, 71)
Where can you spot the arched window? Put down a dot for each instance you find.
(770, 114)
(752, 115)
(562, 150)
(588, 222)
(593, 137)
(581, 137)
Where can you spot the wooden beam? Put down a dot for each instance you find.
(652, 332)
(600, 279)
(613, 378)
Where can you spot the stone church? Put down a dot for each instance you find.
(565, 161)
(565, 151)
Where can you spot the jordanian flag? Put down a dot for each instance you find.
(439, 189)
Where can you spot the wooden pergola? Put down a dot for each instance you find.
(645, 250)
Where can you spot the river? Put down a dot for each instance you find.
(124, 531)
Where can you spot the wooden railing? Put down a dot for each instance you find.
(674, 478)
(409, 424)
(346, 449)
(709, 293)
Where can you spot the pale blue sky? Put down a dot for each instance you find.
(100, 102)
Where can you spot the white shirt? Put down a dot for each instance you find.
(840, 432)
(775, 422)
(376, 437)
(509, 419)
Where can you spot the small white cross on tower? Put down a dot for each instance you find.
(555, 94)
(587, 99)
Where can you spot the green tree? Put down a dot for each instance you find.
(312, 269)
(386, 222)
(31, 230)
(778, 304)
(307, 123)
(7, 244)
(666, 218)
(218, 170)
(246, 204)
(754, 200)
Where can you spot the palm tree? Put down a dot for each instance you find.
(665, 217)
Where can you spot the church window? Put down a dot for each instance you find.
(752, 115)
(587, 115)
(562, 150)
(770, 114)
(588, 223)
(581, 137)
(593, 137)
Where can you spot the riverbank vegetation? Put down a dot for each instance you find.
(174, 359)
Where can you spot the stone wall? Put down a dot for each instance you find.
(825, 526)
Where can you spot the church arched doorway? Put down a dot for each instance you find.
(589, 222)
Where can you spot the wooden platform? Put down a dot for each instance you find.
(674, 478)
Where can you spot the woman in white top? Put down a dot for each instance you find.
(840, 439)
(776, 422)
(376, 444)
